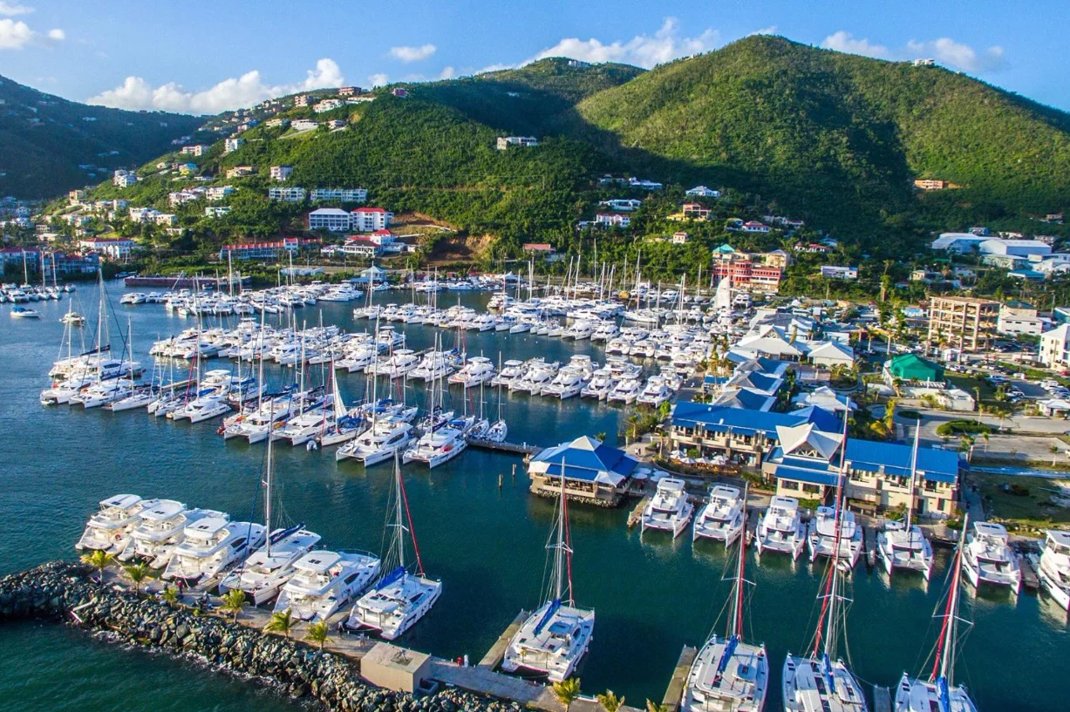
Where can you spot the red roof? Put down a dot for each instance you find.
(359, 239)
(368, 210)
(382, 233)
(538, 247)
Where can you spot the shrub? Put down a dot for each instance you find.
(963, 427)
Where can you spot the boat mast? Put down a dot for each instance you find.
(559, 554)
(735, 624)
(944, 665)
(830, 608)
(913, 476)
(267, 480)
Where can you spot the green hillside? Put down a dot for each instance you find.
(838, 138)
(45, 139)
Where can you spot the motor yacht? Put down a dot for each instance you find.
(626, 391)
(669, 509)
(305, 427)
(324, 581)
(510, 370)
(654, 393)
(160, 528)
(1054, 566)
(989, 558)
(440, 445)
(600, 385)
(538, 377)
(435, 365)
(723, 517)
(268, 568)
(477, 371)
(110, 526)
(781, 528)
(378, 443)
(568, 382)
(102, 392)
(397, 365)
(210, 546)
(822, 536)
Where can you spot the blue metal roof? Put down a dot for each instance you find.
(825, 421)
(721, 418)
(806, 474)
(935, 465)
(584, 458)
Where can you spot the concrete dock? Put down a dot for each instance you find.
(636, 514)
(510, 448)
(675, 691)
(494, 656)
(882, 699)
(1030, 579)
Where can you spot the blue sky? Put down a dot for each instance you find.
(203, 57)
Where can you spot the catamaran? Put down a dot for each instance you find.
(939, 693)
(723, 517)
(902, 545)
(1054, 566)
(781, 528)
(729, 675)
(822, 681)
(110, 526)
(554, 638)
(669, 509)
(211, 546)
(400, 599)
(989, 558)
(324, 581)
(830, 528)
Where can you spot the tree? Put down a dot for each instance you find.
(283, 622)
(567, 691)
(609, 701)
(99, 560)
(137, 573)
(233, 602)
(652, 706)
(318, 633)
(170, 596)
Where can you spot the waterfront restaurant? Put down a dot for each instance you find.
(806, 465)
(594, 472)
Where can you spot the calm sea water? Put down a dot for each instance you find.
(652, 595)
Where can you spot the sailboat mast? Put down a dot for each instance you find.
(400, 526)
(945, 662)
(736, 624)
(267, 482)
(913, 476)
(559, 554)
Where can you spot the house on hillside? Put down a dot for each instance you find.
(281, 173)
(701, 191)
(370, 219)
(330, 219)
(504, 142)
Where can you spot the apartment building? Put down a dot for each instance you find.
(966, 324)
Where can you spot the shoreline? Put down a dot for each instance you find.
(63, 592)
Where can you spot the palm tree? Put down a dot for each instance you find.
(652, 706)
(318, 633)
(99, 560)
(137, 573)
(233, 602)
(170, 596)
(609, 701)
(567, 691)
(281, 623)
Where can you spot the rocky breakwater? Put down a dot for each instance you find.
(65, 592)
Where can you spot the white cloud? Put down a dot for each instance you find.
(643, 50)
(959, 56)
(378, 80)
(945, 50)
(843, 41)
(413, 54)
(246, 90)
(9, 9)
(447, 73)
(16, 34)
(771, 30)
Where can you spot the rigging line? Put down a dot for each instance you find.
(412, 531)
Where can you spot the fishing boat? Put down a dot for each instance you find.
(723, 517)
(1054, 566)
(989, 559)
(729, 674)
(903, 545)
(400, 598)
(822, 680)
(325, 581)
(669, 509)
(781, 528)
(552, 640)
(939, 693)
(24, 313)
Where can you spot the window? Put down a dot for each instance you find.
(789, 484)
(812, 489)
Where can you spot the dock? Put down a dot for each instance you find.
(511, 448)
(636, 514)
(1030, 580)
(675, 691)
(494, 656)
(882, 699)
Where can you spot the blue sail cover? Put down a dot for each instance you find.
(554, 606)
(729, 651)
(276, 538)
(390, 578)
(944, 693)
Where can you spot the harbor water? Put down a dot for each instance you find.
(652, 595)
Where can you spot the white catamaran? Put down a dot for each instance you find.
(902, 545)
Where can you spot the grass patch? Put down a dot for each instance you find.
(964, 427)
(1024, 504)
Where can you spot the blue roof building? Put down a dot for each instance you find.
(594, 472)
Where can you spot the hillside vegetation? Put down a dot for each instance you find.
(45, 139)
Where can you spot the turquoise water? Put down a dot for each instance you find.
(652, 595)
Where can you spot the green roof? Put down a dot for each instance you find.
(724, 248)
(911, 367)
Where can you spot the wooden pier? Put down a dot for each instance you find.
(1030, 580)
(636, 514)
(882, 699)
(511, 448)
(675, 691)
(494, 656)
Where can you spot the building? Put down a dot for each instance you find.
(196, 150)
(335, 124)
(76, 197)
(679, 238)
(328, 105)
(1024, 249)
(240, 171)
(1017, 317)
(400, 92)
(181, 197)
(232, 144)
(755, 226)
(695, 211)
(342, 195)
(931, 184)
(216, 211)
(701, 191)
(505, 142)
(593, 472)
(218, 192)
(612, 220)
(124, 179)
(543, 248)
(624, 205)
(165, 219)
(349, 91)
(362, 246)
(143, 215)
(186, 169)
(1055, 347)
(302, 125)
(112, 248)
(643, 184)
(748, 271)
(924, 62)
(965, 324)
(835, 272)
(287, 195)
(330, 219)
(264, 250)
(959, 242)
(281, 173)
(370, 219)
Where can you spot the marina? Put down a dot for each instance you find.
(471, 616)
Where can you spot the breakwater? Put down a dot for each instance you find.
(66, 592)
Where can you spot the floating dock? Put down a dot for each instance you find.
(1030, 580)
(675, 691)
(511, 448)
(637, 514)
(882, 699)
(494, 656)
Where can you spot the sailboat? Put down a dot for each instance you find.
(821, 680)
(345, 425)
(400, 598)
(939, 693)
(271, 566)
(554, 638)
(499, 429)
(902, 545)
(729, 675)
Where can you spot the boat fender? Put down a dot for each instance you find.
(311, 445)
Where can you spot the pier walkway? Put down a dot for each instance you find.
(511, 448)
(494, 656)
(675, 691)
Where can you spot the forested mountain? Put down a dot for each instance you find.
(49, 145)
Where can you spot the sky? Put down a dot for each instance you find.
(204, 57)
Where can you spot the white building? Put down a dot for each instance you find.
(286, 195)
(181, 197)
(219, 192)
(165, 219)
(1015, 248)
(344, 195)
(702, 191)
(240, 171)
(301, 125)
(330, 219)
(644, 184)
(370, 219)
(302, 100)
(612, 220)
(505, 142)
(124, 179)
(232, 144)
(623, 204)
(216, 211)
(836, 272)
(958, 242)
(281, 173)
(328, 105)
(1055, 347)
(115, 248)
(197, 150)
(1017, 317)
